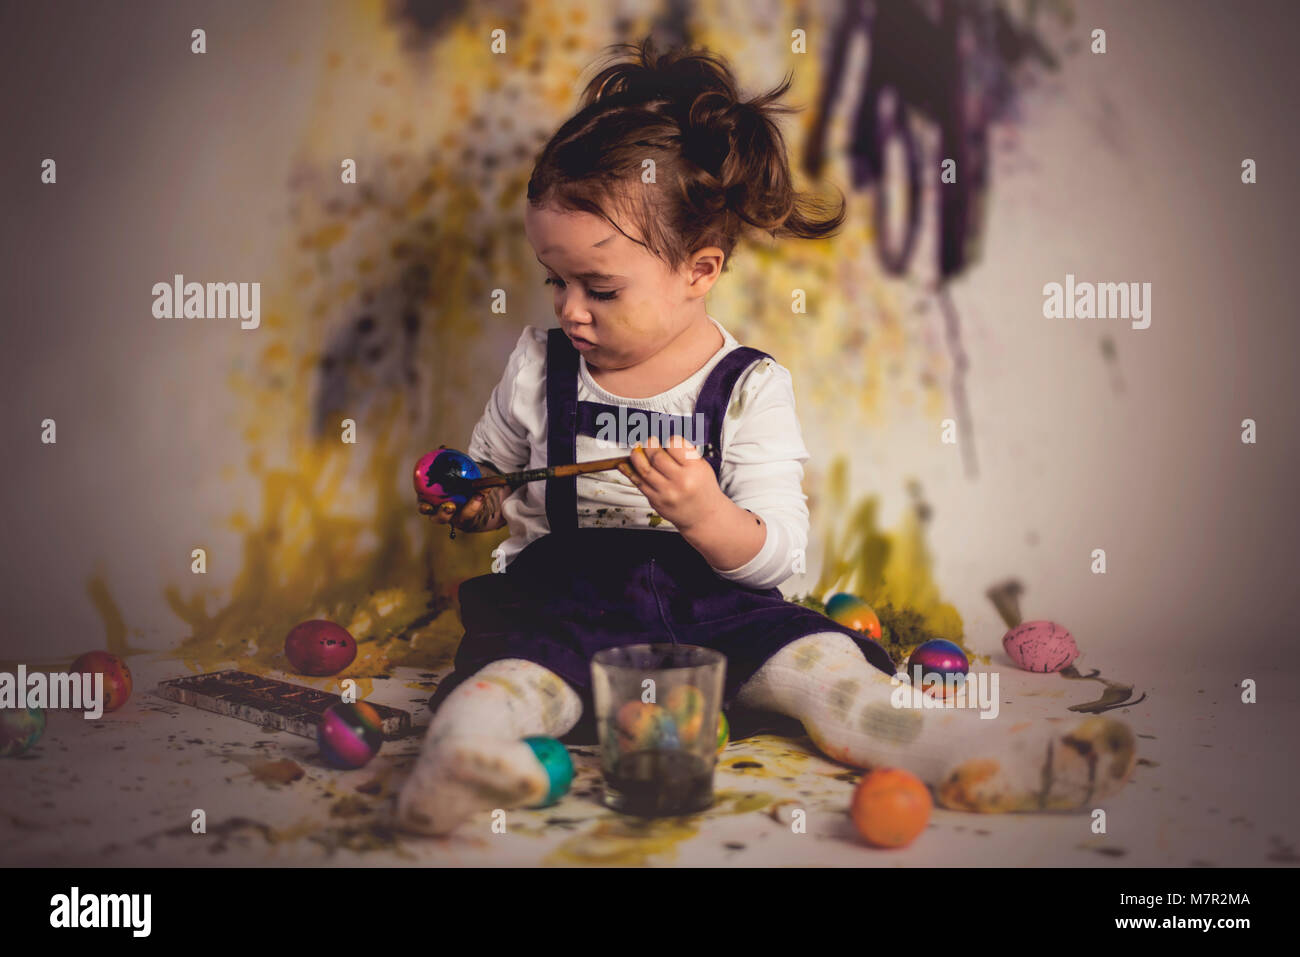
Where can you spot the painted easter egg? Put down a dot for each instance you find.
(117, 676)
(349, 735)
(443, 475)
(890, 807)
(852, 612)
(1040, 646)
(641, 726)
(724, 732)
(554, 757)
(940, 657)
(686, 705)
(319, 647)
(20, 729)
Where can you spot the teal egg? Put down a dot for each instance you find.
(20, 729)
(554, 757)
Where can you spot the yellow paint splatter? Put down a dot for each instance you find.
(891, 571)
(335, 534)
(625, 842)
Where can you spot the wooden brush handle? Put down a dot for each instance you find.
(516, 479)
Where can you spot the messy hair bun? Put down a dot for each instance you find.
(720, 160)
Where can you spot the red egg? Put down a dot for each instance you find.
(319, 647)
(117, 676)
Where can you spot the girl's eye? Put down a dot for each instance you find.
(602, 296)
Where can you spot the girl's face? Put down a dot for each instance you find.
(612, 292)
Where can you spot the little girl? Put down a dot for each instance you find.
(633, 208)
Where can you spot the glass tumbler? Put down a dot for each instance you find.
(657, 711)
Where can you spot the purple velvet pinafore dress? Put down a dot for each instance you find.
(574, 591)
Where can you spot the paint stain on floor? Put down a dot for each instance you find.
(619, 841)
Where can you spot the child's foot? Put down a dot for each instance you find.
(1043, 766)
(464, 774)
(973, 763)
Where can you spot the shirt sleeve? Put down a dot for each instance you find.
(762, 471)
(499, 437)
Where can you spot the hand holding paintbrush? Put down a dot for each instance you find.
(451, 488)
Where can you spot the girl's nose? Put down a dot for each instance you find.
(570, 308)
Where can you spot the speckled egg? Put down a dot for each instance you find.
(554, 757)
(20, 729)
(319, 647)
(443, 475)
(117, 676)
(686, 705)
(1040, 646)
(852, 612)
(641, 726)
(349, 735)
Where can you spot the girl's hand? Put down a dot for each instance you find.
(676, 480)
(479, 514)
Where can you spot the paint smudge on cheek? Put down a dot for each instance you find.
(625, 329)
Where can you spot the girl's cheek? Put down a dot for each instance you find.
(636, 317)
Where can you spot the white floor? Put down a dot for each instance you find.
(1215, 786)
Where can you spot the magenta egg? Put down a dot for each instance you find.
(349, 735)
(444, 475)
(940, 657)
(1040, 646)
(319, 647)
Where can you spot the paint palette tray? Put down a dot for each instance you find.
(269, 702)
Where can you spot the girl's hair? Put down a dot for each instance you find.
(720, 161)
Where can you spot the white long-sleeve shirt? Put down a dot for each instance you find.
(761, 469)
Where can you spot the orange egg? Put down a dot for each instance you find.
(890, 807)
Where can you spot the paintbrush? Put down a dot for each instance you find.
(445, 488)
(513, 480)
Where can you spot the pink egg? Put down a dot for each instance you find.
(1040, 646)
